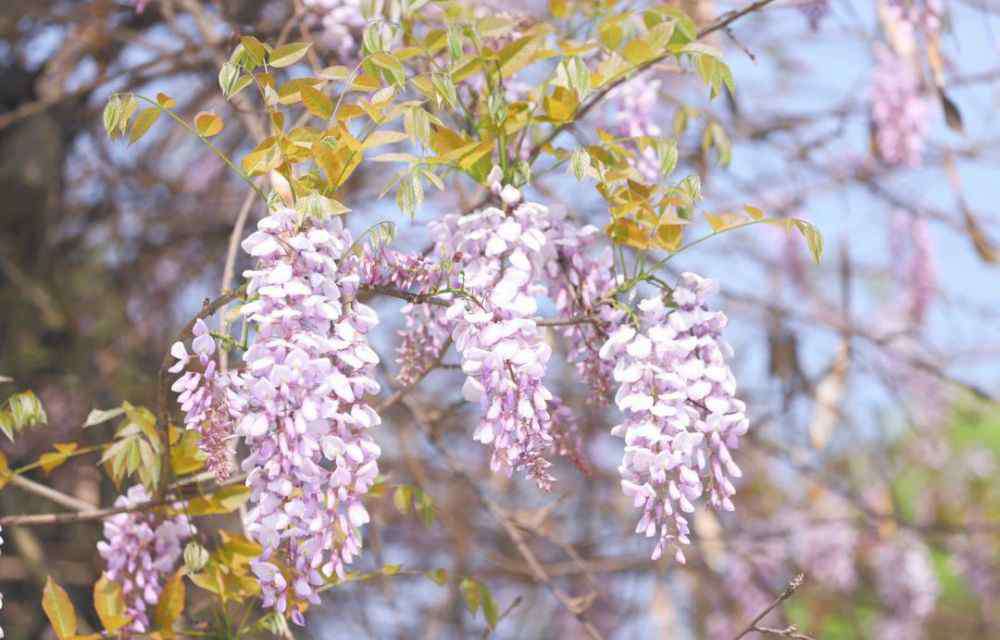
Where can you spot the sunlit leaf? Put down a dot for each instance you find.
(316, 102)
(99, 416)
(110, 604)
(170, 604)
(4, 471)
(289, 54)
(208, 124)
(52, 460)
(814, 239)
(224, 500)
(142, 123)
(59, 610)
(165, 101)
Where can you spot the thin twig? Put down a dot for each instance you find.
(795, 583)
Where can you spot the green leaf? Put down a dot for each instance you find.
(195, 557)
(229, 77)
(489, 605)
(59, 610)
(254, 50)
(112, 113)
(470, 592)
(289, 54)
(814, 239)
(438, 577)
(110, 604)
(98, 416)
(21, 411)
(403, 498)
(389, 63)
(142, 123)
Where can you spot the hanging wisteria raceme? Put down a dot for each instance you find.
(212, 401)
(907, 586)
(814, 11)
(581, 282)
(339, 22)
(899, 111)
(922, 15)
(307, 423)
(427, 332)
(500, 256)
(682, 416)
(636, 117)
(913, 264)
(141, 548)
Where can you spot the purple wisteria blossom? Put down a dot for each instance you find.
(211, 400)
(899, 110)
(140, 549)
(914, 267)
(814, 11)
(502, 253)
(635, 117)
(339, 22)
(307, 423)
(907, 586)
(581, 282)
(682, 416)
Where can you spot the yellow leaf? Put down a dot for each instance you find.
(208, 124)
(628, 232)
(723, 221)
(59, 610)
(110, 604)
(225, 500)
(263, 158)
(561, 105)
(4, 471)
(316, 102)
(753, 212)
(638, 51)
(379, 138)
(326, 160)
(185, 456)
(669, 236)
(142, 123)
(170, 606)
(51, 460)
(165, 101)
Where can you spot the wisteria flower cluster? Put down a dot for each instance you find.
(907, 584)
(210, 403)
(339, 21)
(307, 422)
(899, 110)
(504, 354)
(299, 401)
(140, 549)
(814, 11)
(581, 282)
(913, 264)
(682, 416)
(635, 117)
